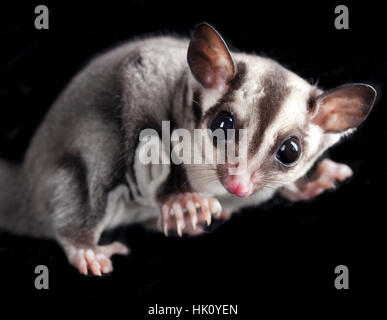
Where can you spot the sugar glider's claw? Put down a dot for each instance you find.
(105, 263)
(165, 218)
(193, 213)
(92, 262)
(203, 205)
(207, 214)
(188, 209)
(80, 262)
(215, 207)
(96, 259)
(179, 217)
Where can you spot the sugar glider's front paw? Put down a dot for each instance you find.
(184, 211)
(324, 178)
(96, 259)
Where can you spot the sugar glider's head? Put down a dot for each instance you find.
(288, 122)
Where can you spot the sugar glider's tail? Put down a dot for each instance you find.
(8, 194)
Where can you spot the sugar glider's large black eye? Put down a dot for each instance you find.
(289, 151)
(224, 121)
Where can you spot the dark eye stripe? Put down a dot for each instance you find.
(228, 97)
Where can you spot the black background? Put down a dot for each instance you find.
(279, 257)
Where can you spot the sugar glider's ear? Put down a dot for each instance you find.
(344, 107)
(209, 59)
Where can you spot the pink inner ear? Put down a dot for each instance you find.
(343, 108)
(221, 78)
(339, 114)
(209, 59)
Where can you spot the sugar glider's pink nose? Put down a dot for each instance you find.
(238, 185)
(238, 189)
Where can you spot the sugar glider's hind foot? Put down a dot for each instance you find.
(95, 259)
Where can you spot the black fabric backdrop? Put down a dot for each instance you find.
(278, 257)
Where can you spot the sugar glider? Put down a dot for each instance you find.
(82, 175)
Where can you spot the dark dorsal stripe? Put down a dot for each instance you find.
(269, 106)
(235, 84)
